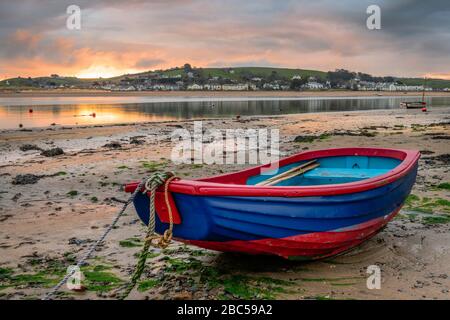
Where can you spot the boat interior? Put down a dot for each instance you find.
(329, 170)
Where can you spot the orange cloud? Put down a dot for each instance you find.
(37, 56)
(26, 37)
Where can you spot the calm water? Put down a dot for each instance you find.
(79, 111)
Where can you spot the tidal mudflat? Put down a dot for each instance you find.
(61, 186)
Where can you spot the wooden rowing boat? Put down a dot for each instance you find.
(346, 198)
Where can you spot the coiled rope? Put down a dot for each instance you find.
(149, 184)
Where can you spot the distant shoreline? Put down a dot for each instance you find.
(212, 94)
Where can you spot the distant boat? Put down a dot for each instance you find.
(413, 105)
(416, 104)
(318, 204)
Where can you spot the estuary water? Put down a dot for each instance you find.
(70, 111)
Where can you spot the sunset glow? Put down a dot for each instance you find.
(121, 37)
(445, 76)
(99, 71)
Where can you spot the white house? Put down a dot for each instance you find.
(313, 85)
(195, 87)
(235, 87)
(398, 87)
(164, 87)
(124, 88)
(271, 86)
(252, 86)
(212, 86)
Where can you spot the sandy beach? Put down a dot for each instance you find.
(47, 225)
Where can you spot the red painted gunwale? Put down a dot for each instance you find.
(233, 184)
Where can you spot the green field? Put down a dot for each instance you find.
(261, 72)
(240, 72)
(433, 83)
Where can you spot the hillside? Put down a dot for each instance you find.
(241, 73)
(433, 83)
(238, 74)
(57, 81)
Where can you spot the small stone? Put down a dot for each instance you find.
(81, 288)
(305, 138)
(22, 179)
(137, 142)
(16, 197)
(76, 241)
(52, 152)
(113, 145)
(27, 147)
(182, 296)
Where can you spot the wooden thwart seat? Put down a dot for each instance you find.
(301, 169)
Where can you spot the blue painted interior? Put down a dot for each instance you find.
(334, 170)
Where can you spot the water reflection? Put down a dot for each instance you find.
(88, 114)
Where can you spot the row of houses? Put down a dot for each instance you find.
(387, 86)
(252, 87)
(273, 86)
(223, 87)
(255, 84)
(358, 84)
(142, 87)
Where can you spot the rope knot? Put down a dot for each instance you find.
(156, 179)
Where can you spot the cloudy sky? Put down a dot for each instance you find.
(128, 36)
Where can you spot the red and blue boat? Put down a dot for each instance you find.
(349, 196)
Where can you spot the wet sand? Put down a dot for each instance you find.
(45, 226)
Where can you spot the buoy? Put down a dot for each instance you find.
(30, 110)
(424, 109)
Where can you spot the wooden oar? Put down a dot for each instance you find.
(288, 172)
(293, 174)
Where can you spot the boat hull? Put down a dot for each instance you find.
(295, 227)
(316, 245)
(413, 105)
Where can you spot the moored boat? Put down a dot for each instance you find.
(317, 204)
(416, 104)
(413, 105)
